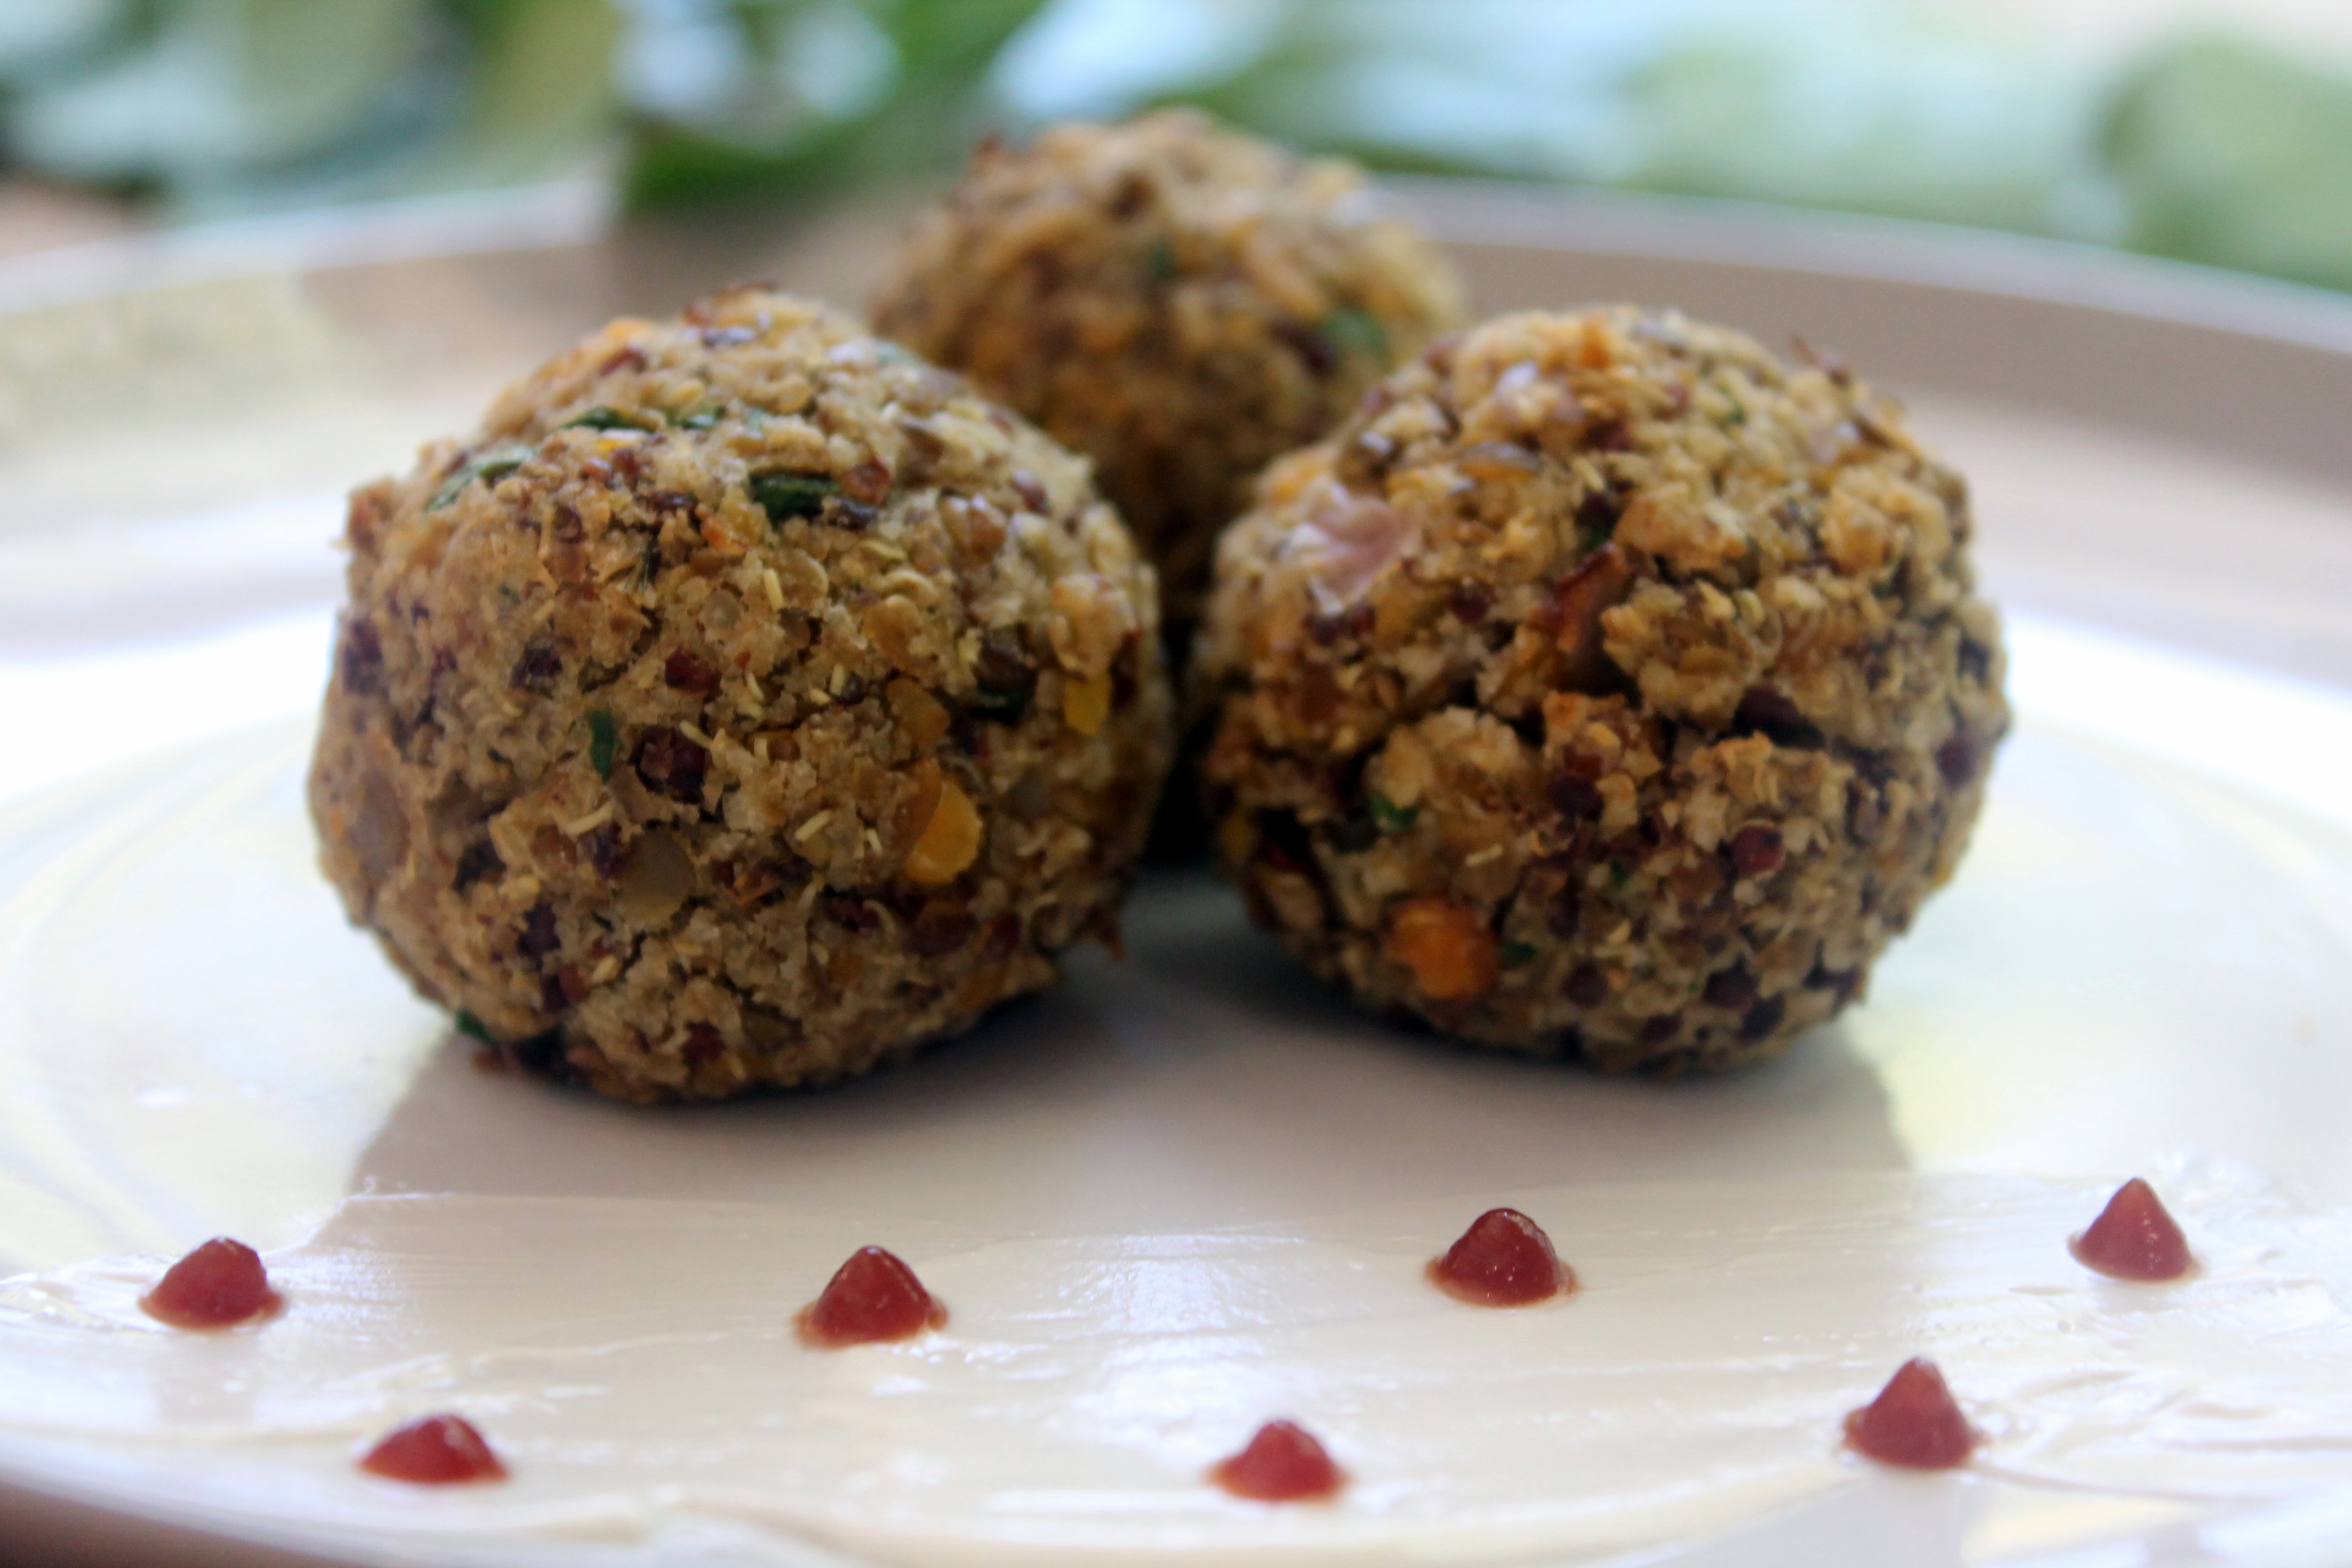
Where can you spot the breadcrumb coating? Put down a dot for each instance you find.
(744, 703)
(1178, 301)
(1603, 686)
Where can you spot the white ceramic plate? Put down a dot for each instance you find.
(1191, 1191)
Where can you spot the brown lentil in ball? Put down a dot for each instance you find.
(1177, 300)
(1604, 687)
(746, 701)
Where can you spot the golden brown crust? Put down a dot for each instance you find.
(1178, 301)
(744, 703)
(1603, 686)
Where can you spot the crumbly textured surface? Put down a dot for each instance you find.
(1178, 301)
(1603, 687)
(744, 703)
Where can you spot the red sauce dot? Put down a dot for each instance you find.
(220, 1284)
(1913, 1422)
(1283, 1463)
(1504, 1259)
(435, 1451)
(2134, 1238)
(872, 1298)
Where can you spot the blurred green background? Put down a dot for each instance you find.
(2218, 137)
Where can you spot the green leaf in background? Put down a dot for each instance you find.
(1917, 110)
(1418, 88)
(230, 106)
(2209, 147)
(539, 94)
(1868, 112)
(48, 37)
(929, 106)
(2237, 157)
(210, 90)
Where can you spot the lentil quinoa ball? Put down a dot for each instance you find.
(1602, 686)
(744, 703)
(1177, 300)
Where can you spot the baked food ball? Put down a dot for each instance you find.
(1602, 687)
(744, 703)
(1176, 300)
